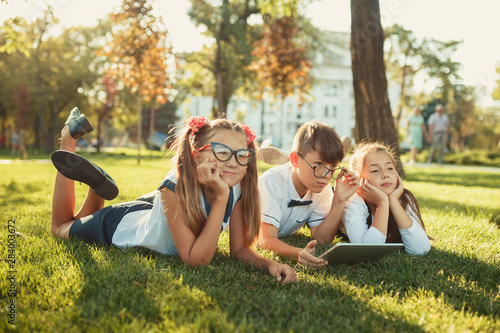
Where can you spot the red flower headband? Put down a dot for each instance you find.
(248, 133)
(195, 123)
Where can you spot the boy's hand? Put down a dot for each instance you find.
(346, 186)
(283, 273)
(371, 193)
(307, 258)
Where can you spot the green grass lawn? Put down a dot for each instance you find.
(69, 286)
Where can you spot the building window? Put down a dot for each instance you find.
(309, 109)
(326, 110)
(331, 89)
(334, 111)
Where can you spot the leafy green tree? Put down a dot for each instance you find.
(22, 116)
(228, 58)
(462, 112)
(440, 67)
(487, 129)
(13, 52)
(496, 92)
(55, 69)
(139, 53)
(402, 60)
(13, 38)
(37, 36)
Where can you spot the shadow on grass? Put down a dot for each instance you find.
(16, 193)
(138, 287)
(473, 211)
(463, 283)
(252, 300)
(462, 178)
(107, 275)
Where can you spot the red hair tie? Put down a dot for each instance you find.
(248, 133)
(195, 123)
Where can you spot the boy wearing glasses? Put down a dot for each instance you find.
(299, 192)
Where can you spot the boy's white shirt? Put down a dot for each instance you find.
(276, 190)
(355, 215)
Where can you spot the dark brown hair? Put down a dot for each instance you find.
(317, 136)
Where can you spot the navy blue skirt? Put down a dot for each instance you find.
(100, 227)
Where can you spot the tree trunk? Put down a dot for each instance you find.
(41, 124)
(139, 127)
(151, 128)
(374, 121)
(222, 101)
(282, 111)
(262, 106)
(401, 98)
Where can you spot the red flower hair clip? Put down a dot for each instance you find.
(248, 133)
(195, 123)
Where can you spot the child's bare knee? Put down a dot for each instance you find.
(59, 230)
(55, 230)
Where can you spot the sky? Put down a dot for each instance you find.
(476, 23)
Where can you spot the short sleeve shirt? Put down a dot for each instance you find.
(150, 228)
(440, 123)
(277, 190)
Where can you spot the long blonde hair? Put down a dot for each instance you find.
(361, 151)
(188, 189)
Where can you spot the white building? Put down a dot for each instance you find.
(332, 100)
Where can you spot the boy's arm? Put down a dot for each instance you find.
(268, 239)
(326, 231)
(345, 187)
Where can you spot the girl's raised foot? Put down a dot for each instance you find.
(78, 124)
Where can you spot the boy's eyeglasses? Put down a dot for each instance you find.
(223, 153)
(321, 171)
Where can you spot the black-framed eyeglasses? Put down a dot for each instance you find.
(321, 171)
(223, 153)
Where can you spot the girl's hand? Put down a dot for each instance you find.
(209, 176)
(283, 273)
(371, 193)
(398, 191)
(346, 186)
(307, 258)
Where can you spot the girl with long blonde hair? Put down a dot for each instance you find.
(212, 186)
(382, 210)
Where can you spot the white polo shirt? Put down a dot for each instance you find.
(276, 190)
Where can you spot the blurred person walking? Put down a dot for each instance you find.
(439, 125)
(416, 132)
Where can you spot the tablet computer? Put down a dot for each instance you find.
(345, 253)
